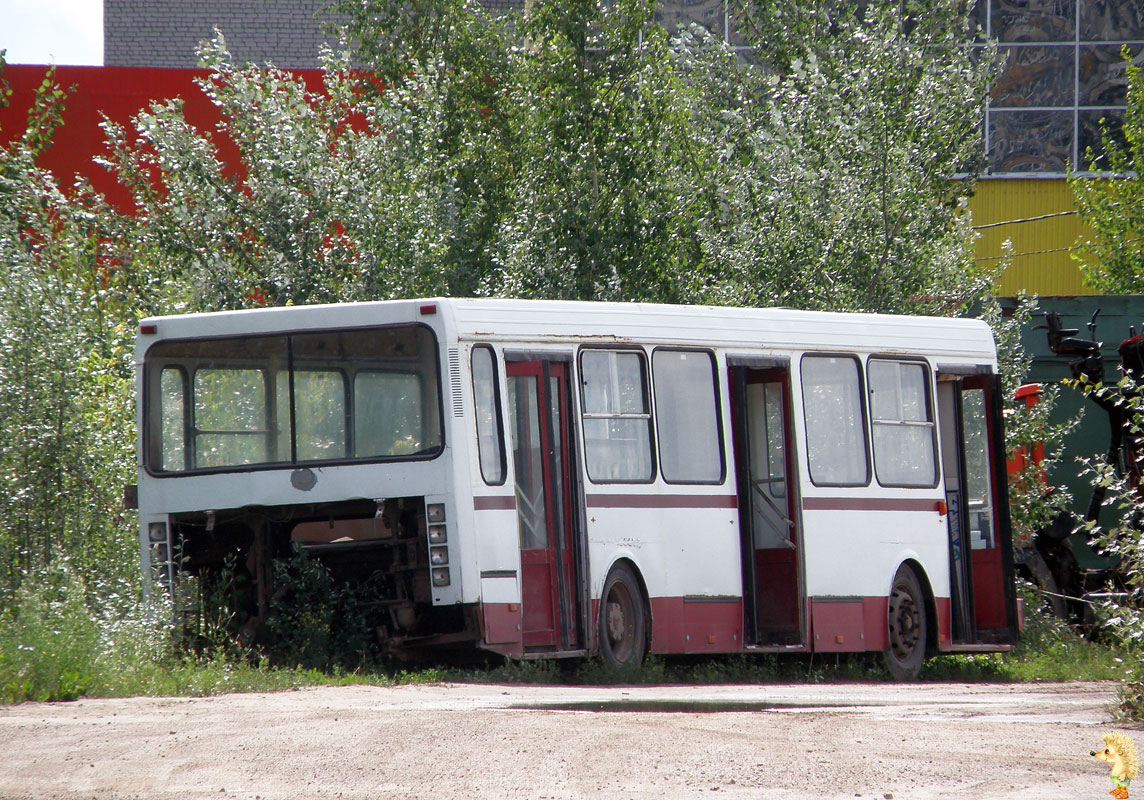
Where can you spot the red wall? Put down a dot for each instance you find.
(115, 92)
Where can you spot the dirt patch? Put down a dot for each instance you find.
(852, 741)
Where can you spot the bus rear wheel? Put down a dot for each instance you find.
(623, 620)
(907, 629)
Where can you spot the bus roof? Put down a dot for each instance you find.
(544, 322)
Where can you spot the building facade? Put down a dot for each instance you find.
(1063, 77)
(166, 33)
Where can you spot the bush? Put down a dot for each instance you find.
(64, 639)
(318, 623)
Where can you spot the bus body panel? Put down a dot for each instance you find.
(691, 593)
(329, 484)
(849, 545)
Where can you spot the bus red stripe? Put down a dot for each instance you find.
(662, 501)
(869, 504)
(494, 502)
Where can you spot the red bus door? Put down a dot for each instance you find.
(982, 597)
(541, 446)
(768, 507)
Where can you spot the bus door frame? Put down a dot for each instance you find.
(570, 550)
(740, 370)
(966, 601)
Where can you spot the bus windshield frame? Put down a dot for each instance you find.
(271, 400)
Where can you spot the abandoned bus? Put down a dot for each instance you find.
(548, 479)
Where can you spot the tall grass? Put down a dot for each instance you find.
(65, 637)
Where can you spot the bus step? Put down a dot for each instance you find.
(536, 654)
(983, 647)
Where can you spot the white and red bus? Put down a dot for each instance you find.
(548, 479)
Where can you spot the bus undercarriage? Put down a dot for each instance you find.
(242, 573)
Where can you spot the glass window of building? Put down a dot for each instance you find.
(1063, 73)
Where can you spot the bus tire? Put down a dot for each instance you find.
(906, 627)
(623, 620)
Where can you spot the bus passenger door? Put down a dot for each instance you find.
(541, 443)
(768, 508)
(982, 597)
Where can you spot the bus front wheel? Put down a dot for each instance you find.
(907, 627)
(623, 621)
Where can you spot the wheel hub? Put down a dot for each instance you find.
(905, 624)
(616, 623)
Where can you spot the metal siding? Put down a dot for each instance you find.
(1042, 260)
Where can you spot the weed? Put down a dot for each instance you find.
(316, 622)
(64, 638)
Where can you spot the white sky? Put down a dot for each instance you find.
(61, 32)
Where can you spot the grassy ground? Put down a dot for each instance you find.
(54, 645)
(49, 671)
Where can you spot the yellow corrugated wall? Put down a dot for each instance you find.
(1041, 262)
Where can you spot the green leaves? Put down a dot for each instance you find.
(66, 378)
(1033, 439)
(1112, 203)
(841, 192)
(575, 151)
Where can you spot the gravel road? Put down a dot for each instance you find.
(885, 741)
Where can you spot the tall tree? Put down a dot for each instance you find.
(607, 188)
(66, 377)
(336, 194)
(839, 184)
(576, 150)
(1111, 203)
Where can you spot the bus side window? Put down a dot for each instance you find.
(687, 419)
(835, 428)
(617, 423)
(902, 415)
(172, 413)
(487, 408)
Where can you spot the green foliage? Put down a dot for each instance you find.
(66, 375)
(1130, 695)
(65, 636)
(1112, 204)
(1028, 429)
(50, 643)
(607, 188)
(576, 151)
(835, 176)
(1051, 650)
(394, 36)
(1121, 614)
(317, 623)
(337, 196)
(1122, 536)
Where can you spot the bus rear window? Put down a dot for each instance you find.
(388, 421)
(231, 416)
(229, 403)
